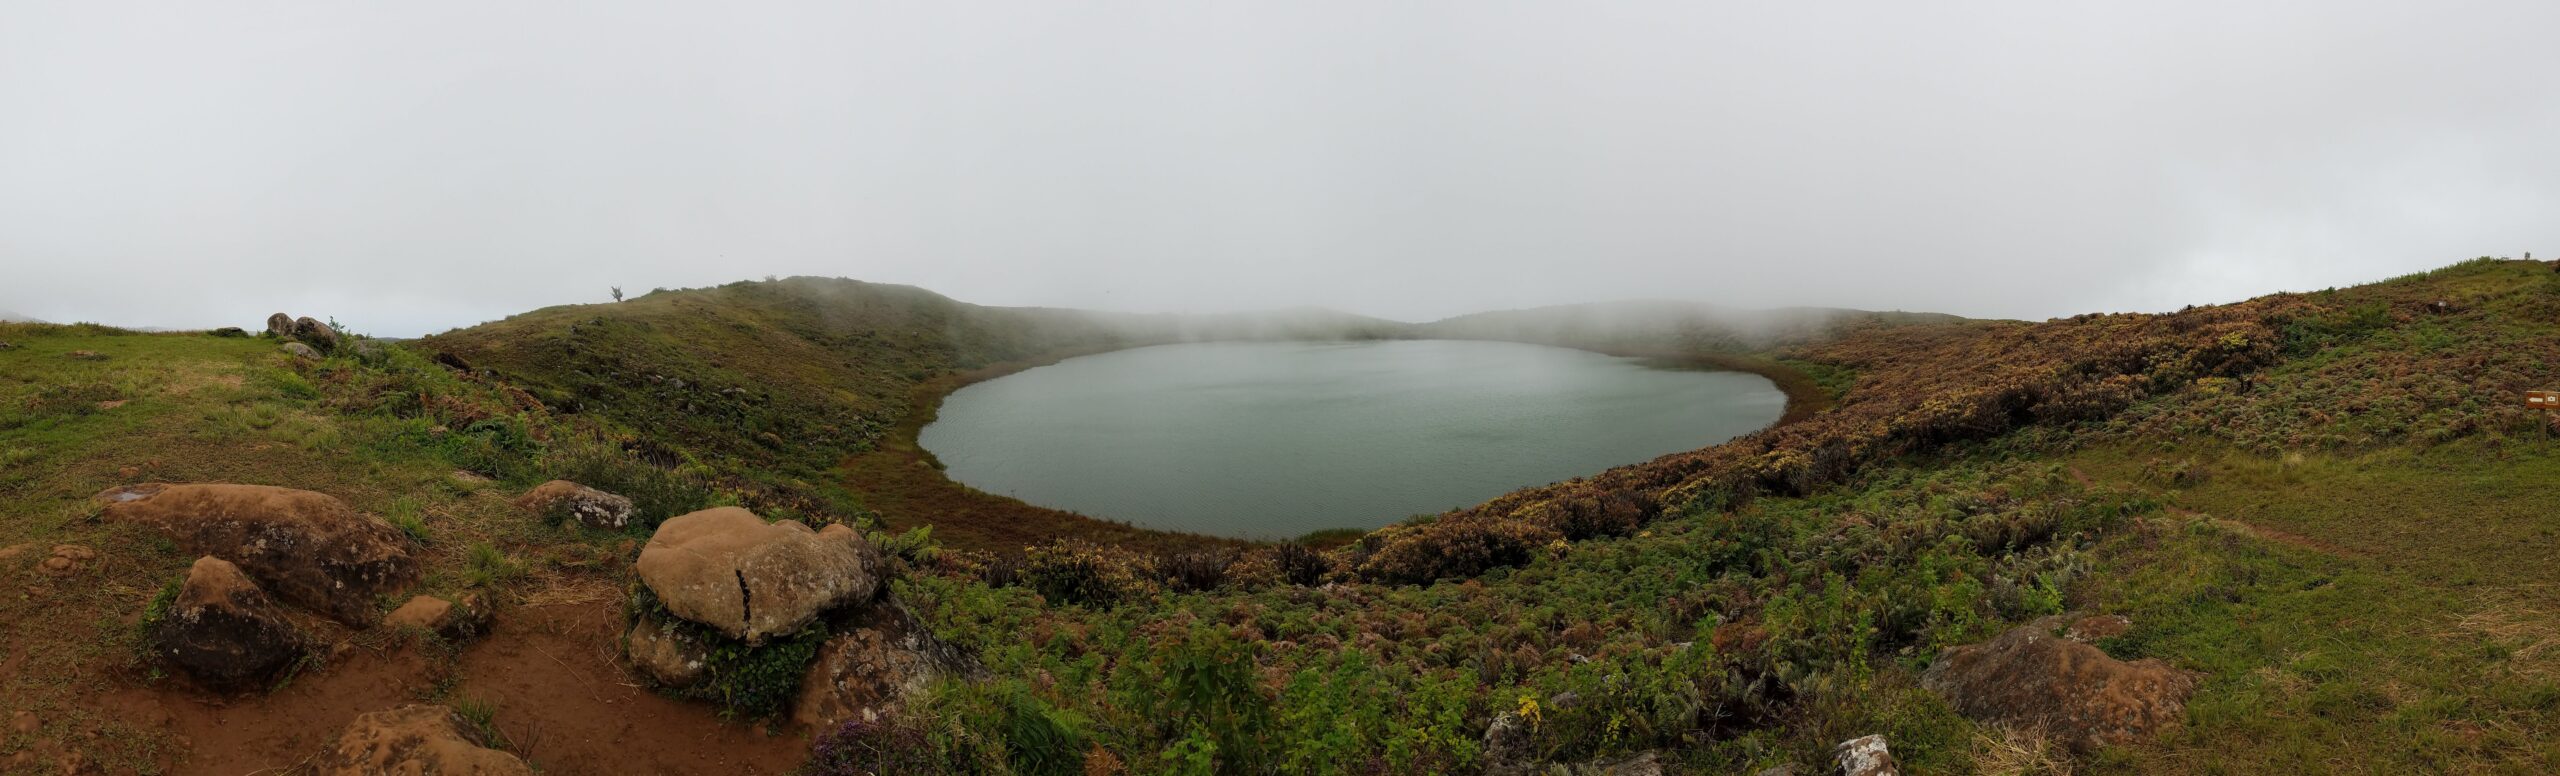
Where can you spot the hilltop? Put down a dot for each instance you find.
(2322, 518)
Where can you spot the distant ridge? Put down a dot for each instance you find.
(1671, 324)
(11, 316)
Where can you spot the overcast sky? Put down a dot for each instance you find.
(410, 167)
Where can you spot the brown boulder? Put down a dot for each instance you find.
(280, 325)
(666, 653)
(448, 619)
(315, 333)
(2031, 678)
(590, 507)
(224, 631)
(726, 568)
(309, 547)
(301, 351)
(416, 740)
(872, 668)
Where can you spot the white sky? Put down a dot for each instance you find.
(411, 167)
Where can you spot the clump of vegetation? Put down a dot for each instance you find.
(656, 493)
(1453, 548)
(748, 681)
(1073, 571)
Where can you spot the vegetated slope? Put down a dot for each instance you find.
(768, 385)
(2333, 505)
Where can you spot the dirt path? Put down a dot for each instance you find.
(548, 671)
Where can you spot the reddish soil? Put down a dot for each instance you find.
(549, 671)
(567, 706)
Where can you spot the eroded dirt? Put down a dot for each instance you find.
(549, 672)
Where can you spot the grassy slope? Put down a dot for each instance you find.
(200, 408)
(2352, 539)
(767, 386)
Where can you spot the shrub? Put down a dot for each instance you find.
(745, 681)
(1192, 572)
(1071, 571)
(656, 494)
(865, 748)
(1301, 565)
(1457, 548)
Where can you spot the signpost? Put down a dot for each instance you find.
(2542, 400)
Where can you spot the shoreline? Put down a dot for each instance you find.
(899, 476)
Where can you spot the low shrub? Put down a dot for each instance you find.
(1193, 572)
(1455, 549)
(1071, 571)
(744, 681)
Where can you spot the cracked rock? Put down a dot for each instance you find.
(729, 569)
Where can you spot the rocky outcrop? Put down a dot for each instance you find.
(879, 661)
(416, 740)
(223, 631)
(590, 507)
(666, 653)
(315, 334)
(1868, 756)
(2030, 678)
(748, 579)
(308, 547)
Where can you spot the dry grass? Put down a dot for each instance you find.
(2521, 621)
(2013, 752)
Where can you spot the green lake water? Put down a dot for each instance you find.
(1276, 439)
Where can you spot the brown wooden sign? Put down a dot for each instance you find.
(2542, 400)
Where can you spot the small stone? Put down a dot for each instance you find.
(424, 612)
(590, 507)
(86, 355)
(1866, 757)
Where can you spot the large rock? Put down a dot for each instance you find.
(223, 631)
(416, 740)
(308, 547)
(590, 507)
(666, 653)
(280, 326)
(2031, 678)
(873, 668)
(726, 568)
(301, 351)
(317, 334)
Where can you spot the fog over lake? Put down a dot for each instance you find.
(1273, 440)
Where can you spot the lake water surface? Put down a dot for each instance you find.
(1276, 439)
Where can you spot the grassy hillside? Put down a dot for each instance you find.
(807, 393)
(2332, 505)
